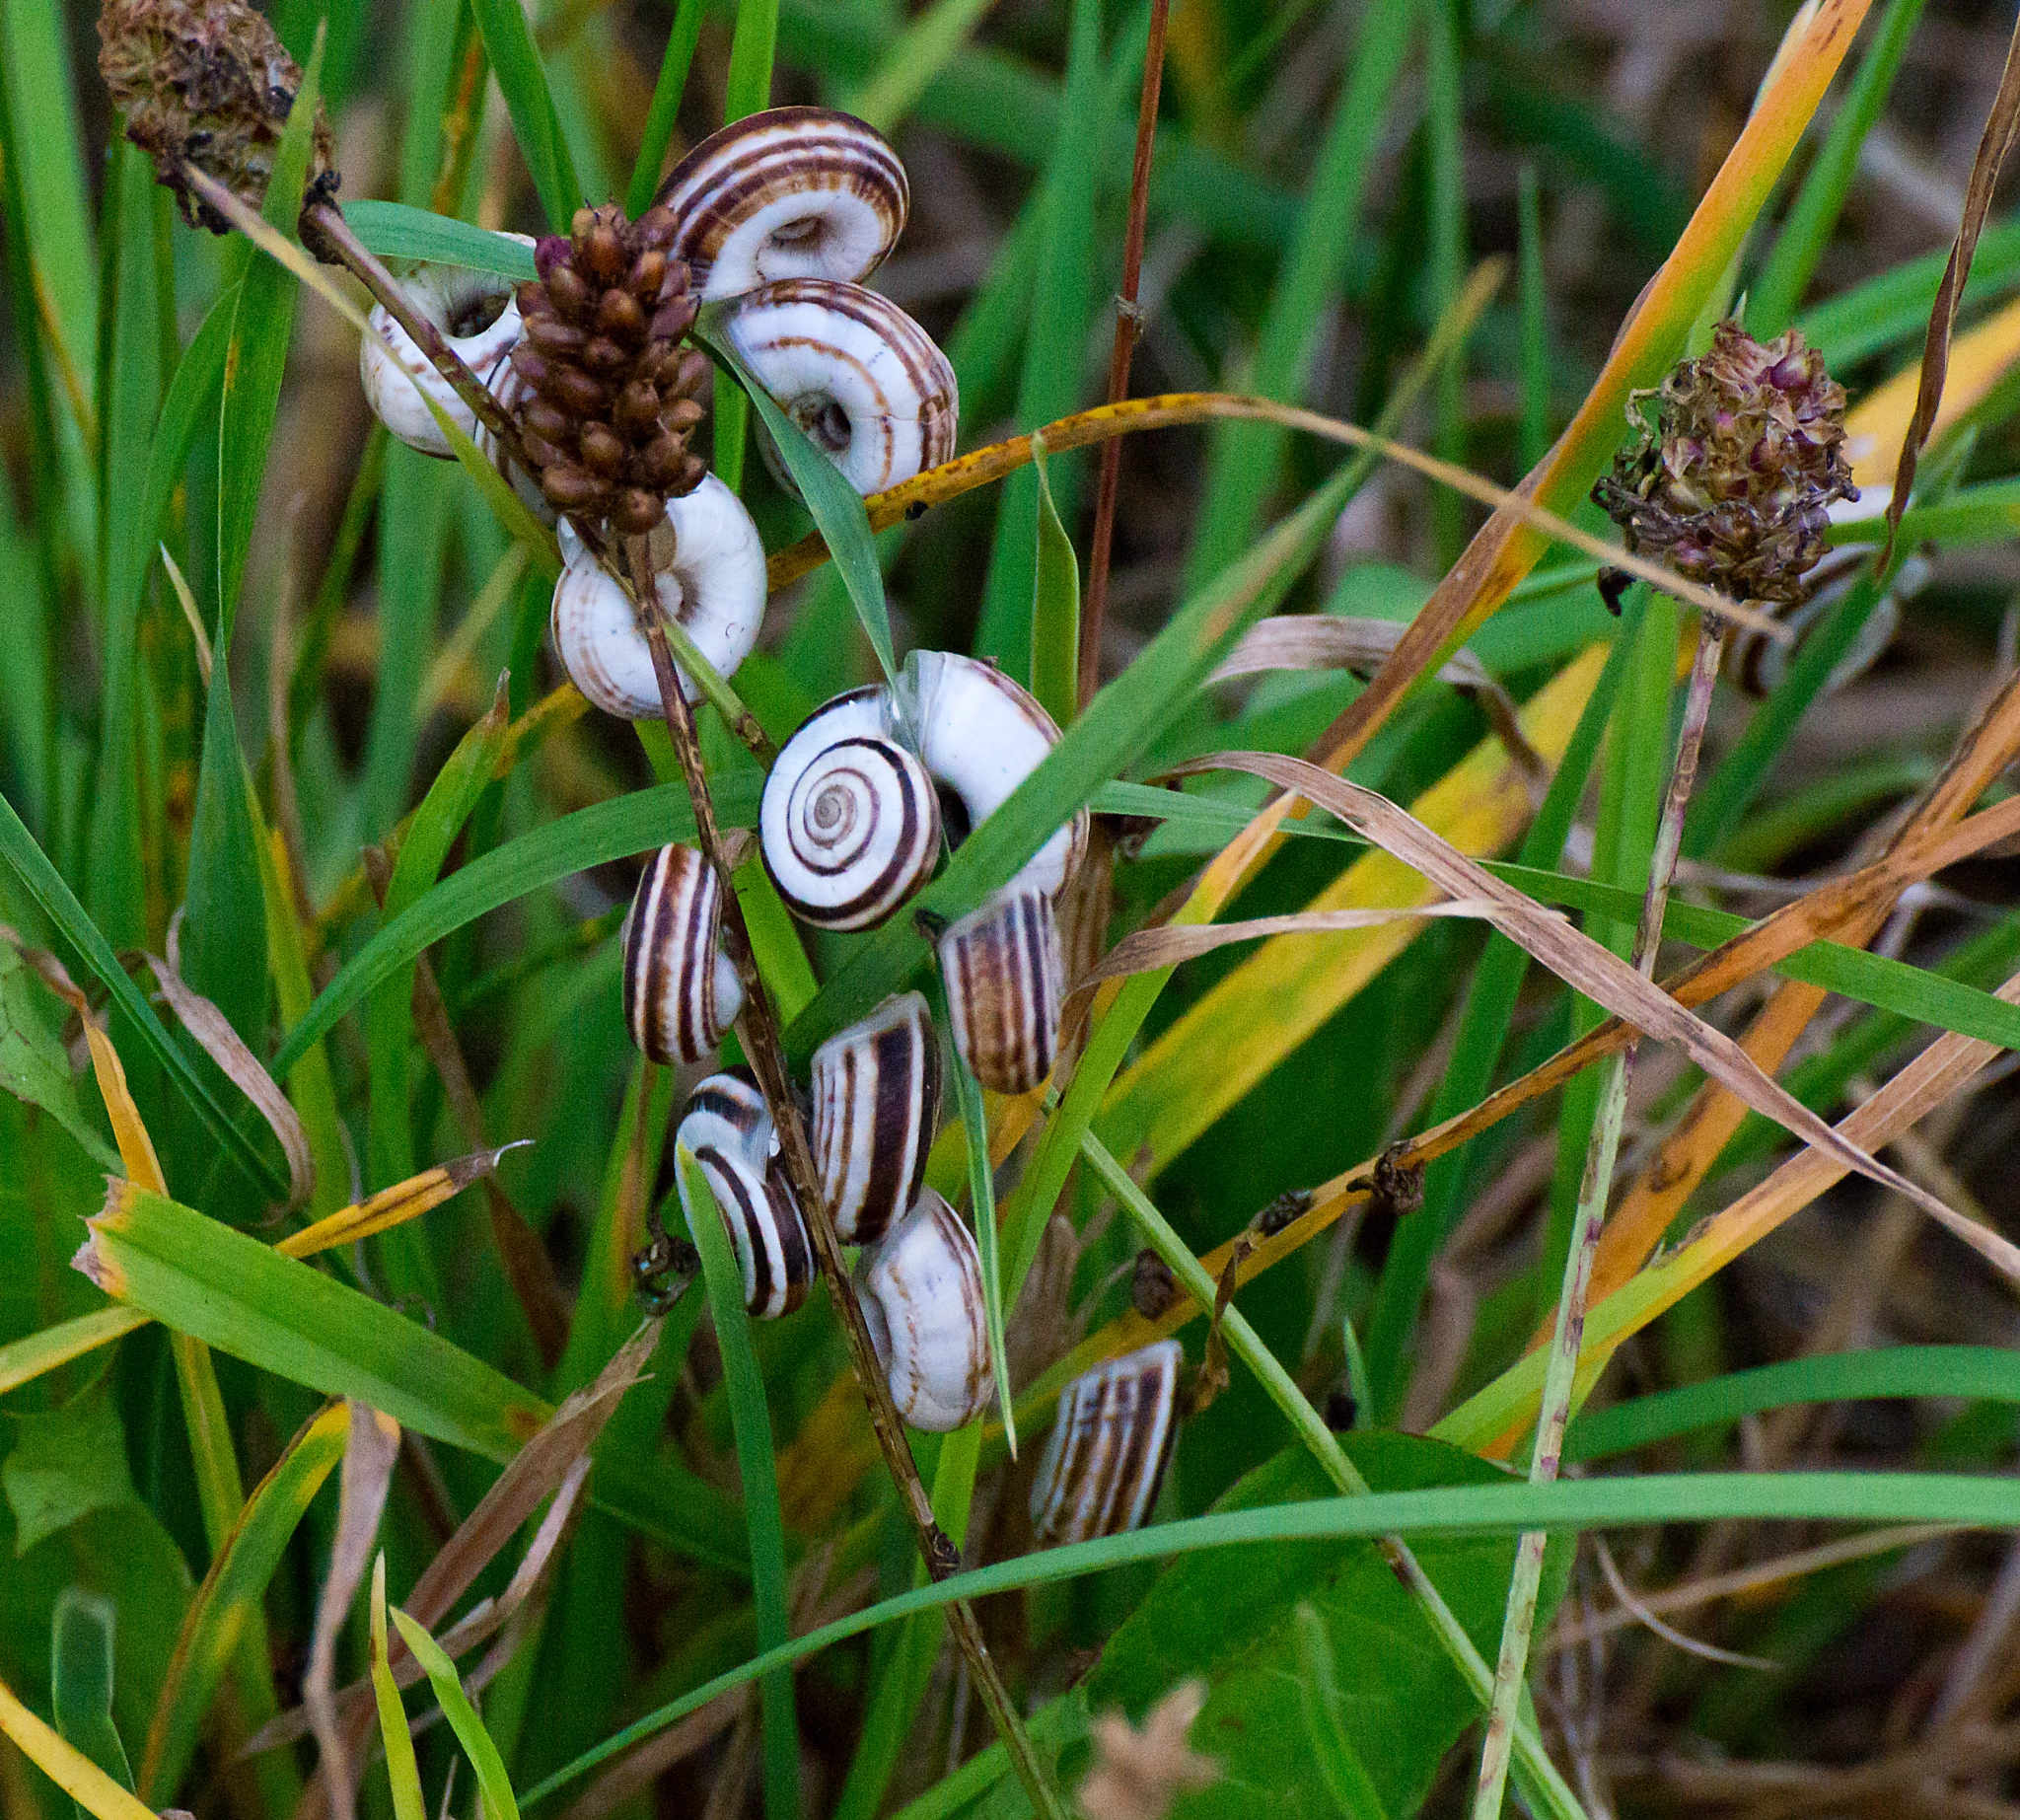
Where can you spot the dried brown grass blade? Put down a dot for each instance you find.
(1574, 957)
(2000, 126)
(395, 1206)
(371, 1451)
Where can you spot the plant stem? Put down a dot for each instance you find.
(757, 1026)
(1596, 1185)
(1128, 322)
(1551, 1793)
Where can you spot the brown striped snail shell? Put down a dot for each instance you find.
(730, 1111)
(792, 192)
(866, 383)
(479, 317)
(849, 824)
(711, 583)
(1756, 664)
(1003, 972)
(1107, 1453)
(774, 1251)
(921, 1290)
(681, 992)
(875, 1092)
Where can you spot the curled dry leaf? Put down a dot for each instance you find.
(1137, 1775)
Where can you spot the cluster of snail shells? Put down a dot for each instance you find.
(851, 828)
(875, 1099)
(785, 213)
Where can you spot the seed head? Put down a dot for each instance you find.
(206, 83)
(1727, 479)
(606, 393)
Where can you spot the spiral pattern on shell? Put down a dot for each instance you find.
(1107, 1451)
(763, 1223)
(849, 822)
(922, 1301)
(876, 1094)
(479, 317)
(792, 192)
(867, 383)
(679, 990)
(730, 1111)
(1002, 968)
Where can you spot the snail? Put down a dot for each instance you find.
(1107, 1453)
(793, 192)
(875, 1092)
(681, 992)
(713, 585)
(479, 317)
(849, 824)
(921, 1287)
(1756, 664)
(757, 1209)
(865, 382)
(1002, 968)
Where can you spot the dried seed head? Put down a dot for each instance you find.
(206, 83)
(608, 394)
(1729, 478)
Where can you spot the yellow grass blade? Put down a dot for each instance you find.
(69, 1769)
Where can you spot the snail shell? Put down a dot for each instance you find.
(793, 192)
(1756, 665)
(769, 1237)
(1002, 969)
(728, 1111)
(681, 992)
(478, 314)
(713, 586)
(849, 824)
(876, 1089)
(1105, 1455)
(980, 735)
(864, 380)
(922, 1299)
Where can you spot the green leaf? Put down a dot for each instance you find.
(396, 231)
(462, 1718)
(244, 1563)
(662, 115)
(1054, 607)
(33, 1064)
(402, 1772)
(80, 1681)
(65, 1465)
(835, 505)
(750, 1421)
(523, 81)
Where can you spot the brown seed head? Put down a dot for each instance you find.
(1729, 476)
(206, 84)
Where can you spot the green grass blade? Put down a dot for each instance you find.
(499, 1803)
(835, 505)
(1806, 230)
(239, 1572)
(755, 1467)
(662, 115)
(754, 46)
(81, 1682)
(919, 53)
(401, 1771)
(1534, 440)
(1054, 607)
(396, 231)
(523, 81)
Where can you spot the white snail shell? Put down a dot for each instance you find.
(793, 192)
(713, 586)
(865, 382)
(876, 1091)
(479, 317)
(981, 734)
(679, 990)
(922, 1299)
(773, 1252)
(849, 824)
(1002, 968)
(1107, 1453)
(728, 1111)
(1756, 664)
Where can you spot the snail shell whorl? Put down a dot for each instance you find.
(713, 586)
(849, 824)
(922, 1299)
(981, 734)
(1107, 1453)
(1002, 970)
(866, 383)
(793, 192)
(679, 990)
(479, 317)
(876, 1090)
(765, 1226)
(728, 1111)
